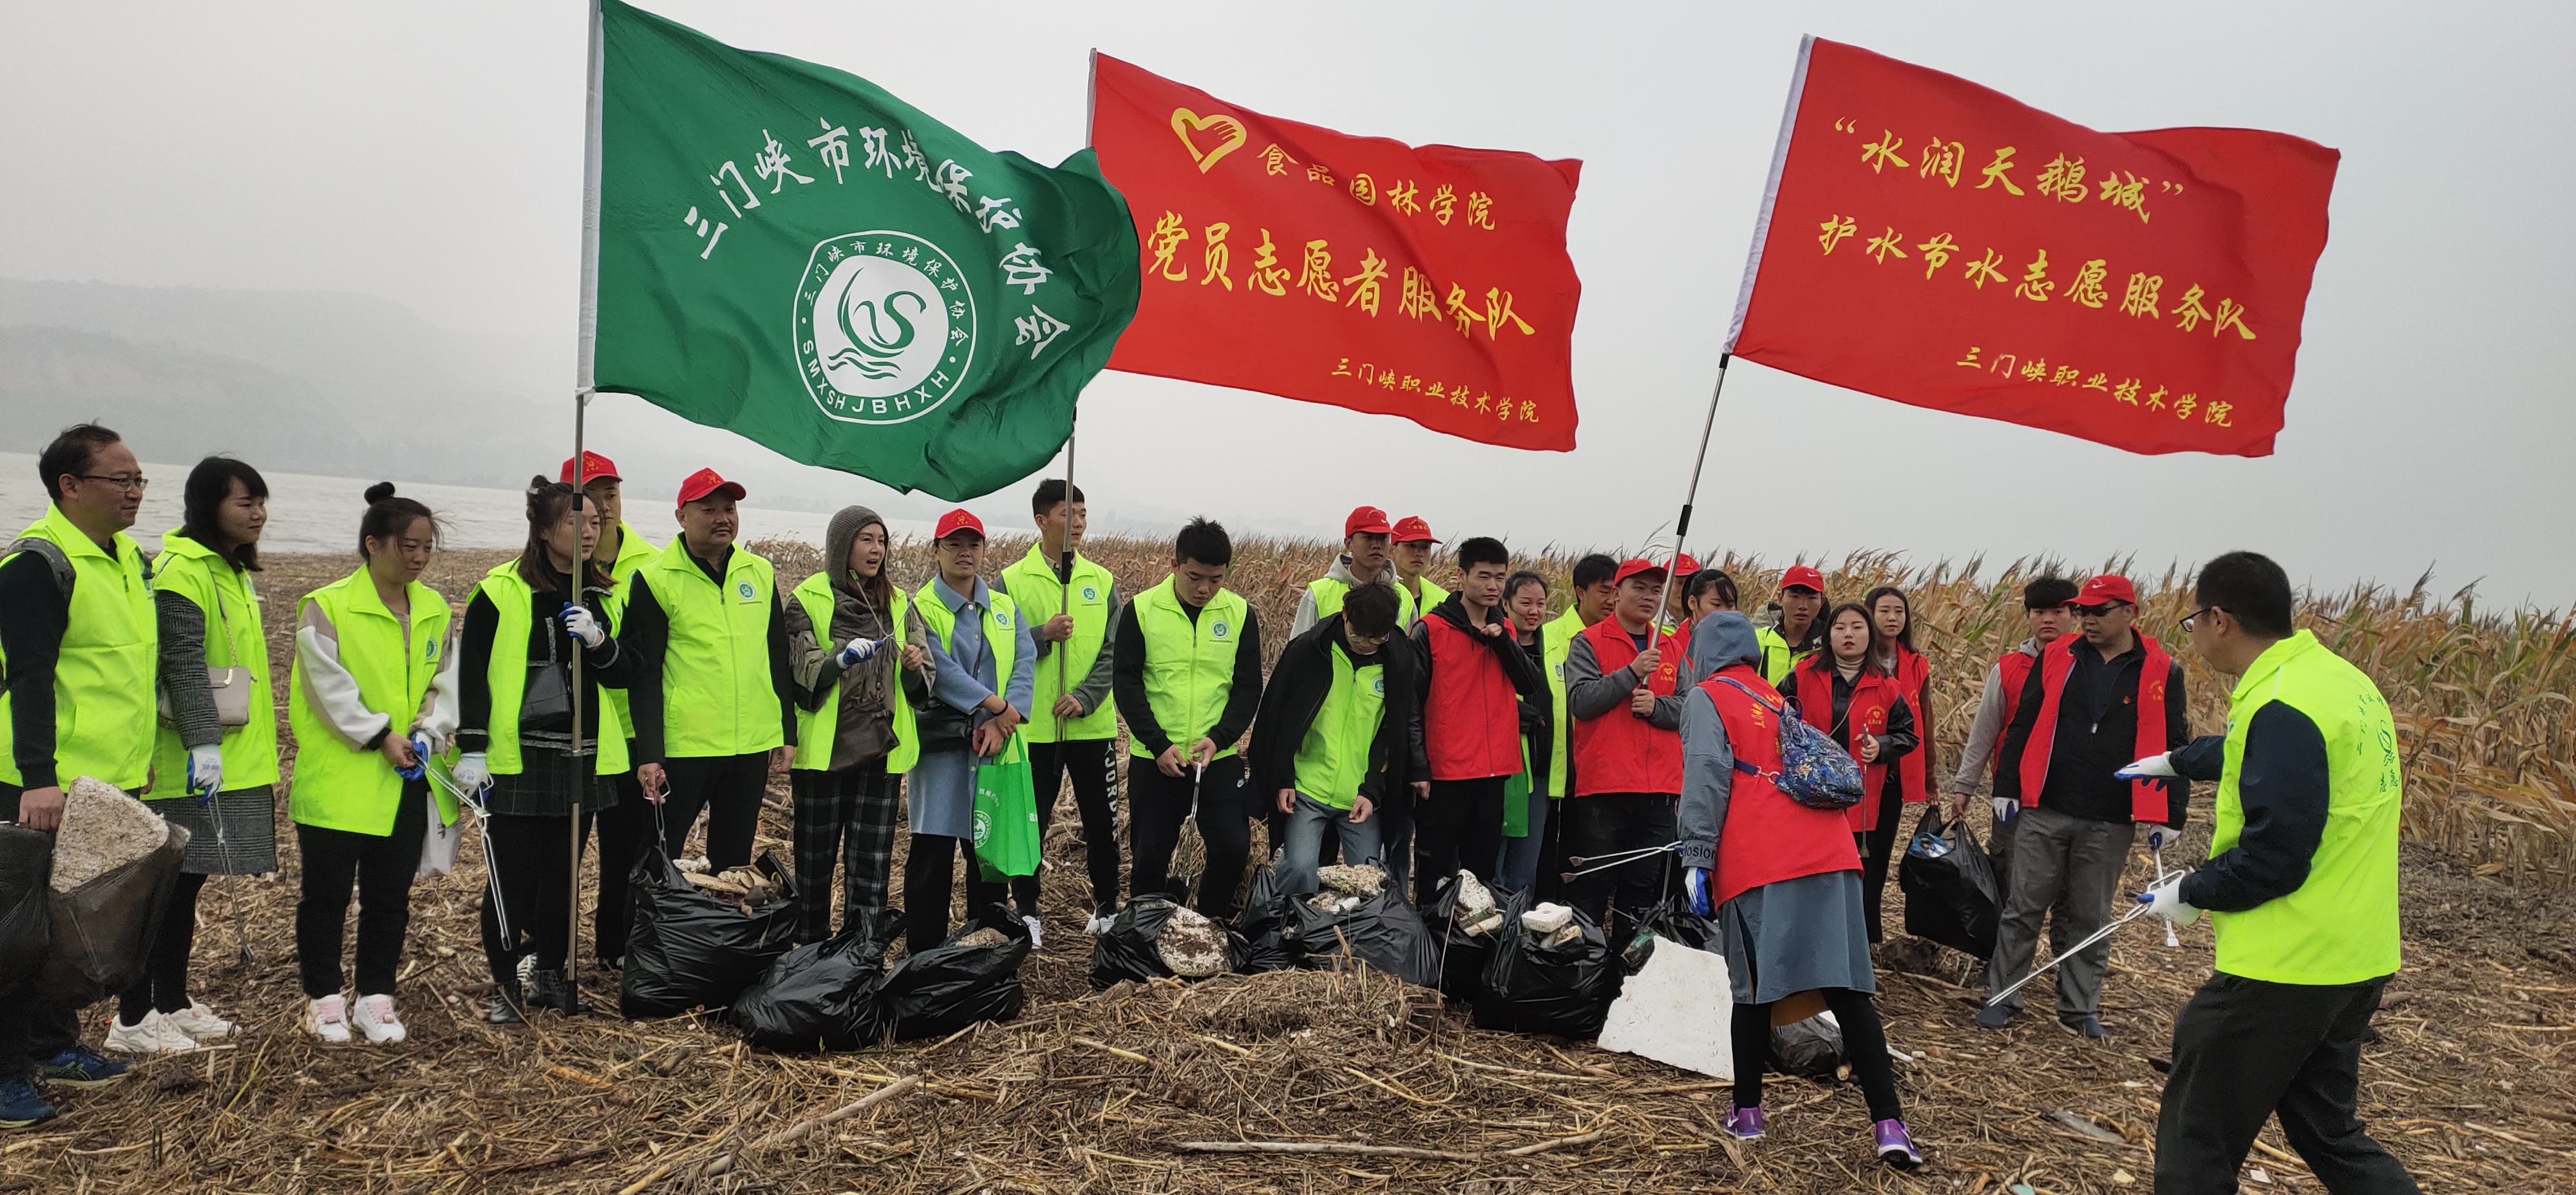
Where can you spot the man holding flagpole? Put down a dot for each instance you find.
(1072, 725)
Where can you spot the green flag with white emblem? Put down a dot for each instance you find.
(786, 251)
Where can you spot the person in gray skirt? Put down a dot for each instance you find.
(1782, 878)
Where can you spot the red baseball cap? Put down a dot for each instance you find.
(707, 483)
(960, 519)
(1802, 576)
(2109, 587)
(1365, 520)
(594, 467)
(1411, 529)
(1636, 566)
(1684, 565)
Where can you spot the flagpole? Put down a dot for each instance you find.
(1681, 526)
(1064, 568)
(588, 338)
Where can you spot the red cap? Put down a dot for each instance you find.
(707, 483)
(2109, 587)
(1367, 519)
(594, 467)
(1802, 576)
(1412, 530)
(1636, 566)
(1684, 565)
(960, 519)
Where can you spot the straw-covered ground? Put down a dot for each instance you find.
(1102, 1092)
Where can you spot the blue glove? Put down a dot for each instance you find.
(857, 651)
(2165, 900)
(419, 759)
(1695, 882)
(581, 625)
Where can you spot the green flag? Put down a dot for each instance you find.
(789, 252)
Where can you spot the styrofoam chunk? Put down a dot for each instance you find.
(1676, 1011)
(1547, 918)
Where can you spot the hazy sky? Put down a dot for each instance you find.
(431, 154)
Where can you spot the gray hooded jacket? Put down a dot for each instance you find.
(864, 728)
(1708, 761)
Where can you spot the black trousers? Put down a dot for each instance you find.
(728, 788)
(929, 876)
(2245, 1050)
(1864, 1043)
(1093, 765)
(529, 856)
(29, 1032)
(1609, 824)
(623, 828)
(844, 818)
(1461, 826)
(381, 870)
(1157, 805)
(164, 985)
(1875, 848)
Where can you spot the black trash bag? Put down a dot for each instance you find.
(949, 987)
(1951, 896)
(26, 864)
(1127, 950)
(1383, 933)
(1263, 926)
(1673, 921)
(690, 949)
(100, 934)
(1812, 1047)
(1565, 990)
(823, 994)
(1464, 955)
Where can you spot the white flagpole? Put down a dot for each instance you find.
(588, 342)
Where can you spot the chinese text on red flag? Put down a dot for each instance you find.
(1429, 282)
(1929, 240)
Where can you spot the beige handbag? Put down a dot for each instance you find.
(231, 683)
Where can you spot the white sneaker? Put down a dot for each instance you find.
(1037, 931)
(155, 1035)
(328, 1018)
(377, 1019)
(199, 1021)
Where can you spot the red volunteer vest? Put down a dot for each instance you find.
(1873, 695)
(2147, 802)
(1620, 752)
(2015, 667)
(1767, 837)
(1913, 678)
(1471, 723)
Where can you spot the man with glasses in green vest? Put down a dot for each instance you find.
(2301, 892)
(78, 632)
(1186, 668)
(1073, 727)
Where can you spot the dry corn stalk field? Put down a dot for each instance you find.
(2469, 1085)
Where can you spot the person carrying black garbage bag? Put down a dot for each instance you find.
(1330, 739)
(541, 780)
(1781, 878)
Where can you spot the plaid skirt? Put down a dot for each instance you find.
(545, 782)
(236, 835)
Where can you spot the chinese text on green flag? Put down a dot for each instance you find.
(789, 252)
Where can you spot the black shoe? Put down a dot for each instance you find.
(2088, 1028)
(550, 991)
(504, 1010)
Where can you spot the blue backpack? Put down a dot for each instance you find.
(1815, 771)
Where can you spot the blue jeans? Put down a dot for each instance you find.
(1305, 843)
(1519, 872)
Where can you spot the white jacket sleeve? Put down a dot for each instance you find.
(328, 687)
(439, 708)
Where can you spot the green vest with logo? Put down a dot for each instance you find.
(2340, 926)
(1777, 660)
(718, 698)
(815, 727)
(1329, 592)
(1333, 758)
(514, 600)
(104, 707)
(1556, 642)
(339, 785)
(1032, 584)
(1432, 596)
(1000, 636)
(234, 639)
(1189, 664)
(633, 553)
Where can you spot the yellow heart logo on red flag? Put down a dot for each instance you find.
(1230, 135)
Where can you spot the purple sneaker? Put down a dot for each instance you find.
(1745, 1124)
(1895, 1145)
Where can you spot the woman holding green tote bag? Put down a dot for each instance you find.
(985, 676)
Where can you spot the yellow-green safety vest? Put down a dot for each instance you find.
(1432, 595)
(1777, 660)
(514, 600)
(815, 727)
(2340, 926)
(1031, 582)
(717, 694)
(1556, 641)
(633, 553)
(339, 785)
(1333, 757)
(1000, 637)
(235, 638)
(1189, 664)
(1329, 592)
(104, 707)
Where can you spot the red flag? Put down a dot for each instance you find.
(1429, 282)
(1932, 241)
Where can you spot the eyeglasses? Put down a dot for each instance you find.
(2094, 611)
(135, 483)
(2188, 619)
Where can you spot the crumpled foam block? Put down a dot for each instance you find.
(1676, 1011)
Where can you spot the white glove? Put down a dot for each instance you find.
(473, 773)
(2154, 765)
(2165, 900)
(205, 770)
(584, 627)
(856, 651)
(2006, 809)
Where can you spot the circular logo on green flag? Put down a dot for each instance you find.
(885, 326)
